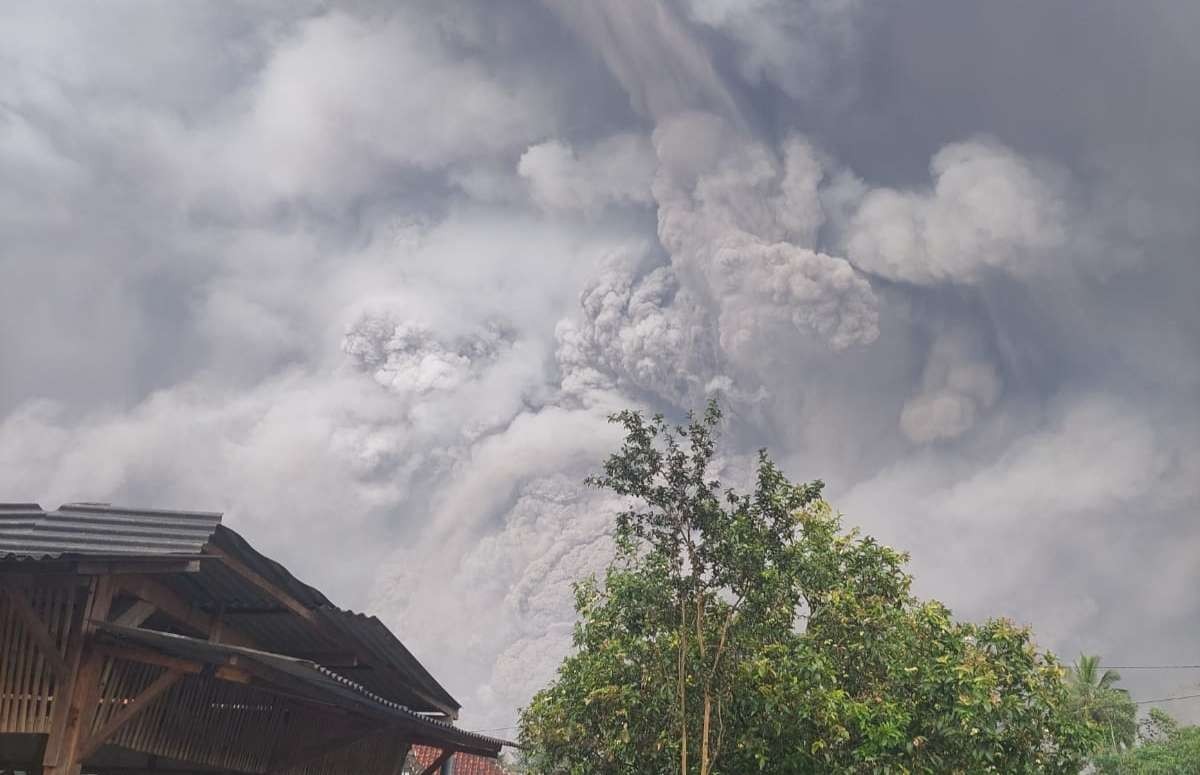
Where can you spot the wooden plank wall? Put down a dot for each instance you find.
(206, 721)
(27, 681)
(381, 753)
(201, 719)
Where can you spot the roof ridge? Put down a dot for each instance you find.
(89, 506)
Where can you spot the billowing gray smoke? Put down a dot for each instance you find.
(370, 278)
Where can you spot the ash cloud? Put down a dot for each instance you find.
(369, 277)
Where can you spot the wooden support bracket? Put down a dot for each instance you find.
(37, 630)
(128, 713)
(163, 598)
(136, 614)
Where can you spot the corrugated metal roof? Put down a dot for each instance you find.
(387, 649)
(27, 531)
(320, 681)
(230, 541)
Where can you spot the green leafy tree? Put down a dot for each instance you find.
(1103, 703)
(746, 632)
(1165, 748)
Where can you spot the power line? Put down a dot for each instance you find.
(1150, 667)
(1167, 699)
(1136, 702)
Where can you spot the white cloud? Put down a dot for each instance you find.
(989, 209)
(347, 98)
(1036, 527)
(617, 170)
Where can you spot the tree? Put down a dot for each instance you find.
(1104, 704)
(746, 632)
(1165, 748)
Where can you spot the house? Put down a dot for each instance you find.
(141, 641)
(424, 757)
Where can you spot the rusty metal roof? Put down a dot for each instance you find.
(320, 683)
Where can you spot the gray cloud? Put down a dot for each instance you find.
(651, 53)
(957, 386)
(739, 221)
(370, 276)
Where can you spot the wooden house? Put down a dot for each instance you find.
(135, 642)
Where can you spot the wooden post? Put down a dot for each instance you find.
(398, 768)
(75, 699)
(437, 763)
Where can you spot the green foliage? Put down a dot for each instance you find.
(1100, 701)
(744, 633)
(1166, 749)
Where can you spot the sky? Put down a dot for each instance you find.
(368, 277)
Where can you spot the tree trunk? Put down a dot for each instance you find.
(683, 744)
(707, 685)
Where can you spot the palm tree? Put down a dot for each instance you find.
(1087, 673)
(1102, 703)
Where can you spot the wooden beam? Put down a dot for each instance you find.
(104, 566)
(216, 628)
(166, 600)
(226, 672)
(128, 713)
(273, 590)
(234, 670)
(37, 630)
(134, 615)
(76, 699)
(233, 675)
(437, 763)
(149, 657)
(137, 566)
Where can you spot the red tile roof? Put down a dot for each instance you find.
(464, 764)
